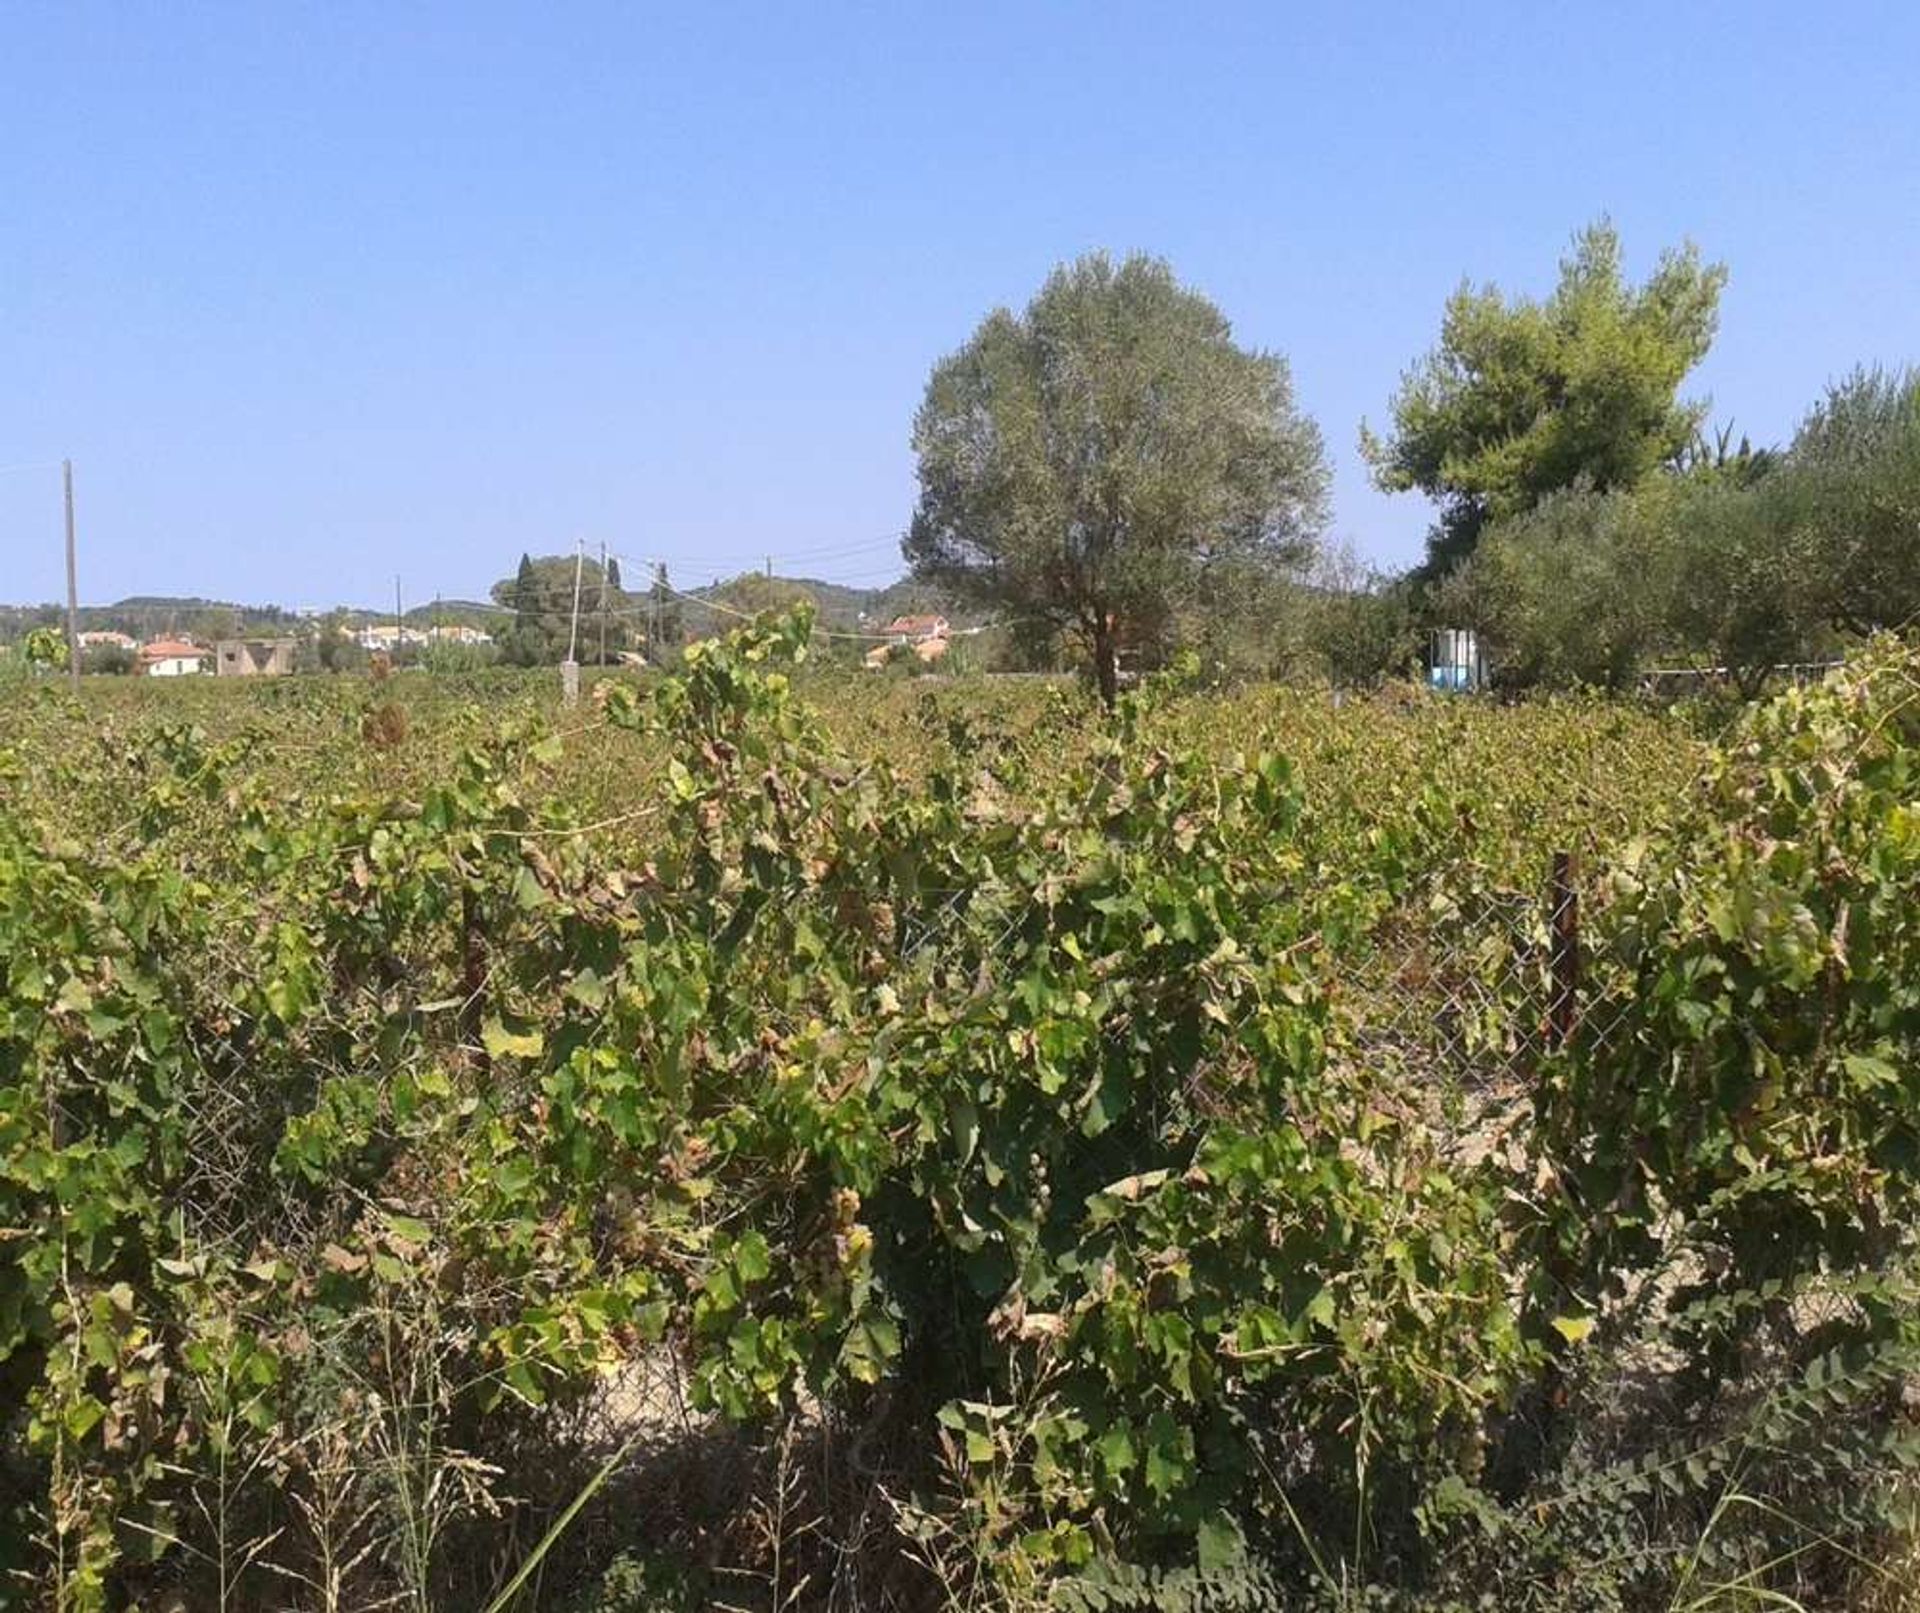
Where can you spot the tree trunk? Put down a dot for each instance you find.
(1106, 661)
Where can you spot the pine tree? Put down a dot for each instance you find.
(525, 589)
(526, 612)
(664, 617)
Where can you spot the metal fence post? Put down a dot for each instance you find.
(1563, 1010)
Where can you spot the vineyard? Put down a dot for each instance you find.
(756, 1142)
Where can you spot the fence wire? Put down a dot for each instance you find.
(1467, 986)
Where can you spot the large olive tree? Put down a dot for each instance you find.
(1093, 461)
(1853, 479)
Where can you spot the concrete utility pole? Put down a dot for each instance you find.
(603, 604)
(570, 668)
(73, 584)
(396, 613)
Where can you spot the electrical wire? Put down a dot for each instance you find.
(555, 596)
(822, 632)
(828, 551)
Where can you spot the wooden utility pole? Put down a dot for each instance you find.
(73, 584)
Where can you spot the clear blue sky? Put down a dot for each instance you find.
(315, 294)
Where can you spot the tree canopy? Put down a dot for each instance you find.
(1854, 476)
(1748, 559)
(1574, 591)
(1524, 398)
(665, 629)
(541, 596)
(1091, 461)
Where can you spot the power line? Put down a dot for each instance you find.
(748, 616)
(837, 550)
(559, 596)
(839, 578)
(745, 615)
(827, 632)
(635, 611)
(879, 550)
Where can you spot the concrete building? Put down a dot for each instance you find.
(254, 657)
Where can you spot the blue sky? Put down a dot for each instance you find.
(314, 295)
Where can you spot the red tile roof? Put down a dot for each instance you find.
(916, 626)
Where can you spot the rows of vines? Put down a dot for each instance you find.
(747, 1143)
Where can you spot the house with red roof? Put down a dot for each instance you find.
(172, 658)
(915, 629)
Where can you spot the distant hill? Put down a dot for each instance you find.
(841, 608)
(164, 615)
(478, 612)
(153, 616)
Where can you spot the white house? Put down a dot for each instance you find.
(172, 658)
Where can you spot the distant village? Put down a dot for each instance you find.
(922, 638)
(550, 609)
(263, 656)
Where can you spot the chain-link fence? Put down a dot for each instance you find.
(1469, 983)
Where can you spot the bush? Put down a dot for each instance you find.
(1758, 1096)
